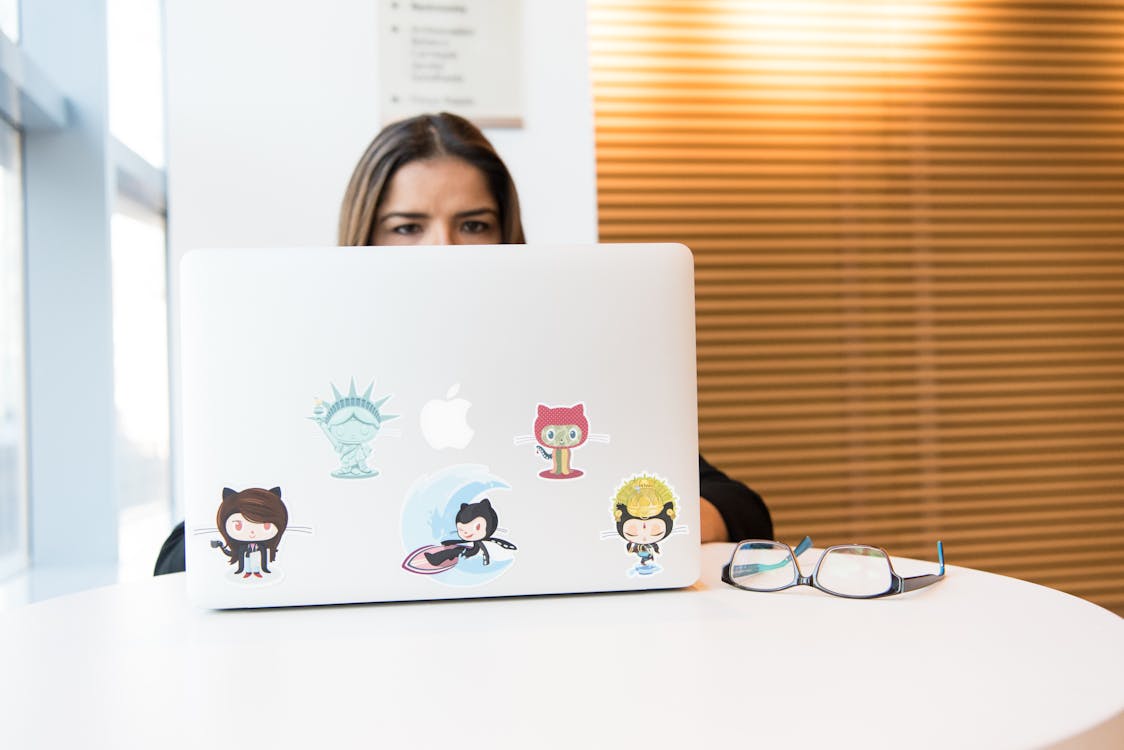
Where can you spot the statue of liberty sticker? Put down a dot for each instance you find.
(351, 423)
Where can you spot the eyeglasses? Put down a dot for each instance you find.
(855, 571)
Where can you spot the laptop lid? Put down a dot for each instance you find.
(402, 423)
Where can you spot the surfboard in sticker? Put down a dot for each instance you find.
(418, 562)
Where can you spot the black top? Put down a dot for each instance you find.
(741, 508)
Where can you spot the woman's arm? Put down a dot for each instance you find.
(730, 511)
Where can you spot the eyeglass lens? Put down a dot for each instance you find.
(849, 570)
(855, 571)
(763, 566)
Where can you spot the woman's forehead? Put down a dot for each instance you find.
(443, 184)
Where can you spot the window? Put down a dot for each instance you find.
(139, 260)
(13, 363)
(66, 524)
(140, 385)
(136, 68)
(10, 19)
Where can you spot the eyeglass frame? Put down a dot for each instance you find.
(898, 584)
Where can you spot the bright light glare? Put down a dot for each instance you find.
(10, 19)
(802, 46)
(136, 88)
(13, 447)
(140, 333)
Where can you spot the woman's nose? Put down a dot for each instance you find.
(442, 235)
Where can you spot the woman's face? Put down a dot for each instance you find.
(440, 201)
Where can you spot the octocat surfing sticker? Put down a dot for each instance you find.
(451, 526)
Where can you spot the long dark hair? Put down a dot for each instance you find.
(257, 505)
(424, 137)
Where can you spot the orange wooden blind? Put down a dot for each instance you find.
(908, 226)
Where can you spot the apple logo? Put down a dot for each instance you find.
(444, 423)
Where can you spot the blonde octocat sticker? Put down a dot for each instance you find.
(645, 508)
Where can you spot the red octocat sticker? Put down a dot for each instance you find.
(558, 431)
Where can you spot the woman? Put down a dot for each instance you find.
(436, 180)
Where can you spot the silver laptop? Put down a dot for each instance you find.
(390, 424)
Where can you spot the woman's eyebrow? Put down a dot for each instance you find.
(403, 215)
(475, 211)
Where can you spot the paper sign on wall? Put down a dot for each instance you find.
(460, 56)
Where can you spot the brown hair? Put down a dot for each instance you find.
(257, 505)
(424, 137)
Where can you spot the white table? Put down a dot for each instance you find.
(976, 661)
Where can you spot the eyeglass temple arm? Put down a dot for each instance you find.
(916, 582)
(748, 569)
(801, 548)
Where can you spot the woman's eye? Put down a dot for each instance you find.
(573, 435)
(407, 229)
(267, 526)
(474, 227)
(237, 525)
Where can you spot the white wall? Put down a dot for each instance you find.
(271, 102)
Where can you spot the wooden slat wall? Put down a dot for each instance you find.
(908, 226)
